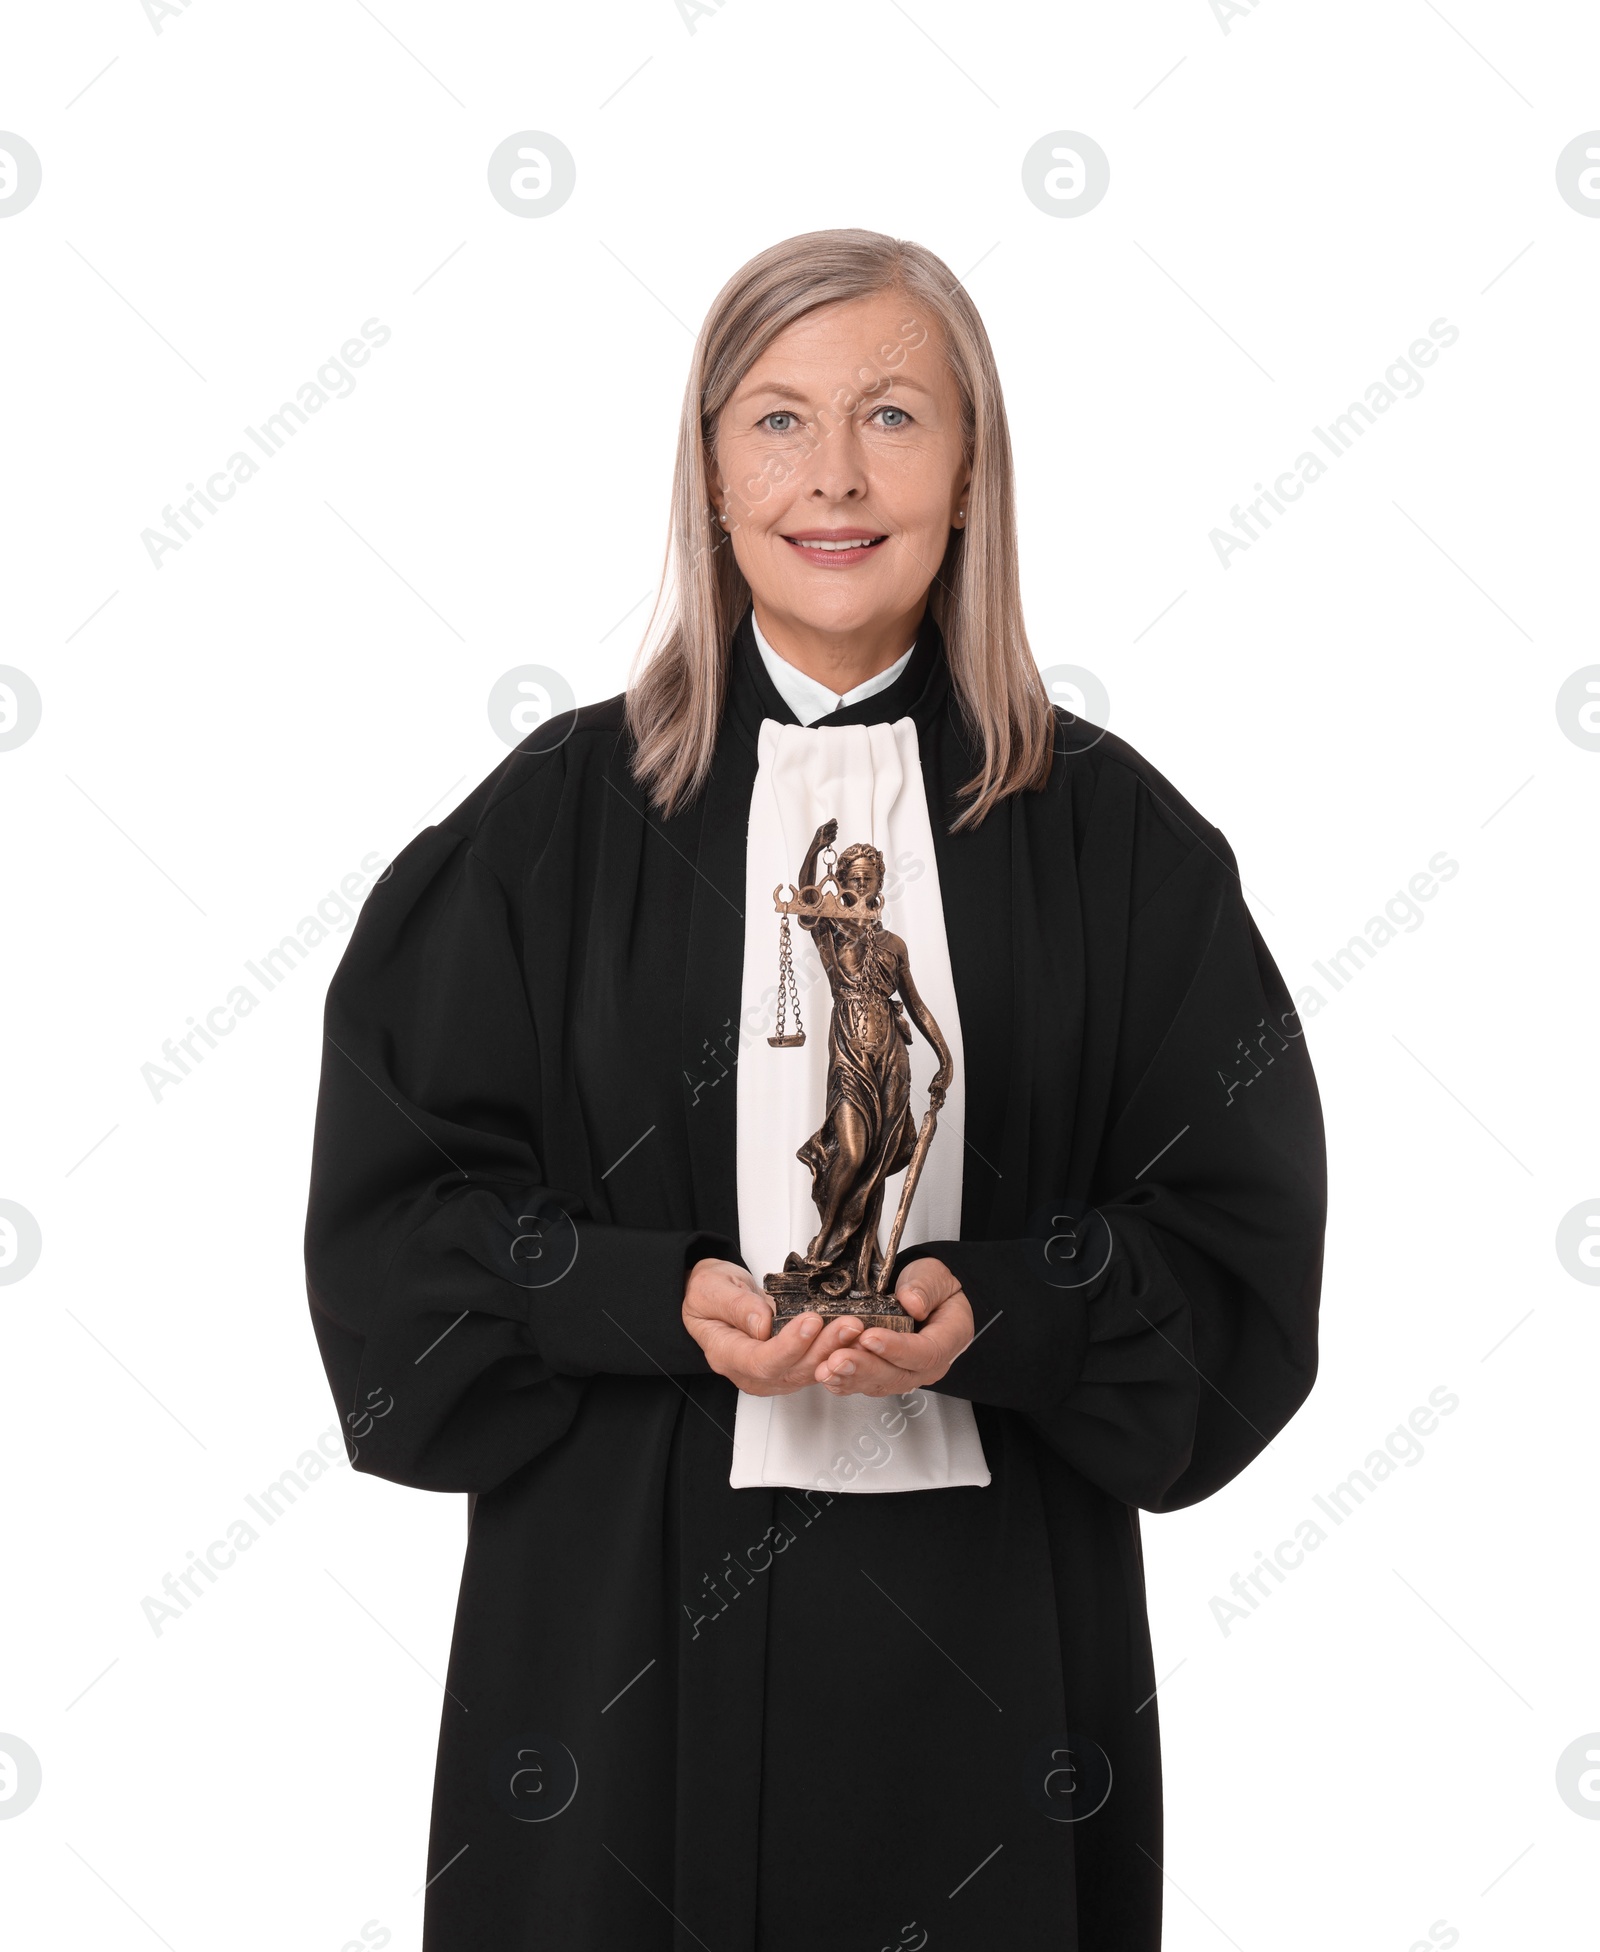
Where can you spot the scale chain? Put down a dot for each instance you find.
(788, 988)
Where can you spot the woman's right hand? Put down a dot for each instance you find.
(731, 1319)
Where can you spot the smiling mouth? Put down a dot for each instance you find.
(853, 545)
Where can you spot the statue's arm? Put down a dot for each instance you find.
(827, 946)
(825, 836)
(925, 1021)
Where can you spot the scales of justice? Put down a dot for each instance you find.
(868, 1132)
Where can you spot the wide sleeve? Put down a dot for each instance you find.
(459, 1300)
(1159, 1334)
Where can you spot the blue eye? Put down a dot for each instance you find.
(777, 413)
(903, 421)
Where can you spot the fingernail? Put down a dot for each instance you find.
(872, 1342)
(754, 1321)
(845, 1369)
(807, 1330)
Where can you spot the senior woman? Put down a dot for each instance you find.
(816, 1633)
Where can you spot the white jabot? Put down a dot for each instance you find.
(804, 696)
(869, 779)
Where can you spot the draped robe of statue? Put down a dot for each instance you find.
(526, 1136)
(868, 1069)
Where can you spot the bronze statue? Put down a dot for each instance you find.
(868, 1132)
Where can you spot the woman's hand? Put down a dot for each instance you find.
(889, 1362)
(731, 1319)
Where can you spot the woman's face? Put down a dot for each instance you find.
(847, 426)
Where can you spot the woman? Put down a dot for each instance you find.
(702, 1691)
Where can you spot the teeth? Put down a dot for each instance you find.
(866, 544)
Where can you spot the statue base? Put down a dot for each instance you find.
(792, 1294)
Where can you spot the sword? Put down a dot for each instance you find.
(908, 1188)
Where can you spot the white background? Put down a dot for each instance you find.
(304, 684)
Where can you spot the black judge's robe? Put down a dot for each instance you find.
(680, 1715)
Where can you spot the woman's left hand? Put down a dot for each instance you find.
(888, 1362)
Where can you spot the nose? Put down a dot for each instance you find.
(837, 467)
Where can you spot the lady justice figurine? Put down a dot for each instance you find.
(868, 1132)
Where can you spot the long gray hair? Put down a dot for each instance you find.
(675, 699)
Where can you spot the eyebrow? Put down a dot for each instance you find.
(789, 389)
